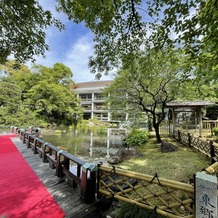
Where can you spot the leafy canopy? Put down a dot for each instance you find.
(146, 85)
(10, 96)
(50, 95)
(123, 28)
(40, 94)
(22, 27)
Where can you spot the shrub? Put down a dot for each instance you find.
(137, 137)
(102, 129)
(215, 130)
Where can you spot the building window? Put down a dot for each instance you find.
(87, 106)
(99, 96)
(87, 116)
(86, 97)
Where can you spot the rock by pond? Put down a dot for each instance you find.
(122, 155)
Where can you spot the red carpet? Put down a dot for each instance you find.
(22, 194)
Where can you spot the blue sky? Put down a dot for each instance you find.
(72, 46)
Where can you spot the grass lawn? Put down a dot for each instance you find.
(179, 165)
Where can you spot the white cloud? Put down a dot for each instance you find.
(72, 47)
(77, 59)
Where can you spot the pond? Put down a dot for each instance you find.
(88, 145)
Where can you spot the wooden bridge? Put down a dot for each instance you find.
(88, 183)
(67, 197)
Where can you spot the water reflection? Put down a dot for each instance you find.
(91, 144)
(87, 144)
(108, 143)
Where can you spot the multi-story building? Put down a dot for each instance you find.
(92, 100)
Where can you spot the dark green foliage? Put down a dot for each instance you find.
(124, 28)
(22, 26)
(146, 85)
(132, 211)
(10, 96)
(38, 97)
(137, 137)
(212, 112)
(23, 117)
(215, 130)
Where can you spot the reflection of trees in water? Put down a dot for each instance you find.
(88, 144)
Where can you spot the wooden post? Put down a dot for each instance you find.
(24, 138)
(173, 117)
(189, 140)
(66, 163)
(88, 182)
(179, 136)
(98, 181)
(59, 167)
(77, 174)
(200, 122)
(34, 146)
(212, 152)
(28, 141)
(44, 158)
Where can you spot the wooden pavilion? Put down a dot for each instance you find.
(192, 107)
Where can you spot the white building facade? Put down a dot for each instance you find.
(92, 100)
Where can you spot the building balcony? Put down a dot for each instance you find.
(86, 99)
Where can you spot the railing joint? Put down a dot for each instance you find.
(157, 177)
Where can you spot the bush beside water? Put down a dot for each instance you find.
(137, 138)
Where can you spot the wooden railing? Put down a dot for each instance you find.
(212, 170)
(77, 171)
(208, 126)
(166, 197)
(208, 147)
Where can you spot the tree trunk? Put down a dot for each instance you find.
(157, 133)
(149, 125)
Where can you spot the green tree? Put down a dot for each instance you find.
(212, 112)
(54, 103)
(50, 95)
(58, 74)
(146, 85)
(19, 73)
(124, 28)
(37, 96)
(10, 96)
(22, 27)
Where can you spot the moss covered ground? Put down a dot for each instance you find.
(179, 165)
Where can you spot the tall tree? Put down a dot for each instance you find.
(59, 74)
(146, 85)
(39, 94)
(10, 96)
(19, 73)
(123, 28)
(50, 95)
(22, 27)
(54, 103)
